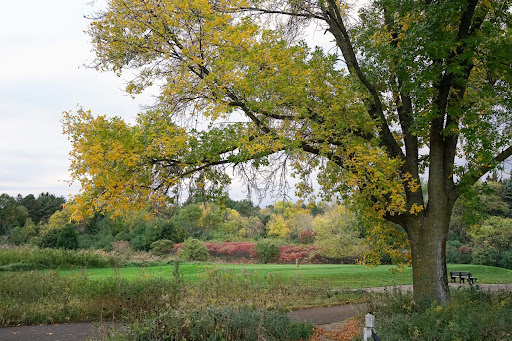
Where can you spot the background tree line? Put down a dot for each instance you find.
(334, 228)
(480, 232)
(19, 211)
(481, 226)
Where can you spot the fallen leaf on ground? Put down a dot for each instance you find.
(348, 332)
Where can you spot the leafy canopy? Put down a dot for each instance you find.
(411, 86)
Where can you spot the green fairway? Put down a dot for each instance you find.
(336, 276)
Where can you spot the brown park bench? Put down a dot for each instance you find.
(462, 276)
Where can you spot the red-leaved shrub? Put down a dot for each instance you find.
(244, 252)
(305, 253)
(228, 251)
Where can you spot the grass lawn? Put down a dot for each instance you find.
(336, 276)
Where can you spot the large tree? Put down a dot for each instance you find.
(412, 89)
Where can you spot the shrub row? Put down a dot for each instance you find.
(458, 253)
(232, 251)
(266, 251)
(31, 258)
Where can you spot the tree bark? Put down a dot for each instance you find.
(427, 235)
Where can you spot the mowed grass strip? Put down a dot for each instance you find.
(335, 276)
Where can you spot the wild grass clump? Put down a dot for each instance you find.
(229, 324)
(225, 287)
(470, 315)
(34, 258)
(46, 297)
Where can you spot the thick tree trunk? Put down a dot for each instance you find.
(428, 246)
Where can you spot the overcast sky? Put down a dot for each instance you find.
(42, 52)
(43, 49)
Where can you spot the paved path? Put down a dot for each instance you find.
(82, 331)
(55, 332)
(319, 316)
(325, 315)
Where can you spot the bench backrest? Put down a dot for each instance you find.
(460, 273)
